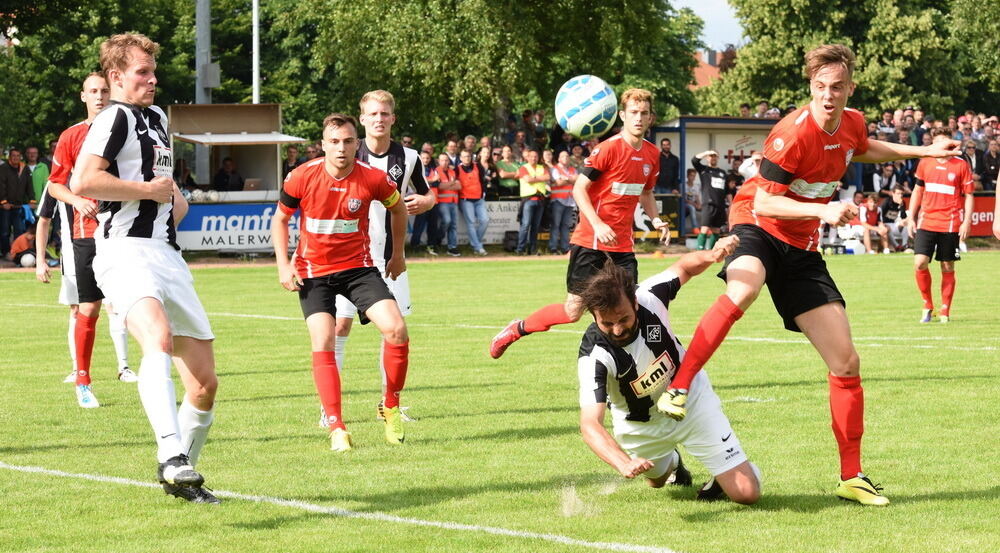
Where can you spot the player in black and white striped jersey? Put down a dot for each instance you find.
(627, 358)
(126, 163)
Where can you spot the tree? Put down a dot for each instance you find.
(977, 40)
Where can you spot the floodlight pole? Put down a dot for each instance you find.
(203, 86)
(256, 51)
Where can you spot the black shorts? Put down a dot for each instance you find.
(946, 244)
(713, 216)
(797, 279)
(585, 262)
(363, 286)
(84, 250)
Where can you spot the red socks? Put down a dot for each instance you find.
(947, 291)
(83, 337)
(328, 385)
(395, 360)
(711, 331)
(924, 285)
(847, 407)
(546, 317)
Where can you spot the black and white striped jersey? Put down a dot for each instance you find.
(631, 378)
(47, 208)
(134, 141)
(404, 167)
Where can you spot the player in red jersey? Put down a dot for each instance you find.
(777, 216)
(79, 287)
(619, 174)
(333, 257)
(940, 217)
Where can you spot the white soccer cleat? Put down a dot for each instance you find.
(85, 397)
(925, 315)
(126, 375)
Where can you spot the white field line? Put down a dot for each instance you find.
(861, 341)
(372, 516)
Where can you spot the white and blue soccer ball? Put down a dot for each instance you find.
(586, 106)
(28, 260)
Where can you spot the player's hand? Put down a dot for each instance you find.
(604, 234)
(911, 228)
(943, 148)
(417, 204)
(42, 271)
(664, 228)
(395, 266)
(634, 467)
(963, 231)
(161, 189)
(85, 207)
(838, 214)
(288, 278)
(724, 248)
(996, 228)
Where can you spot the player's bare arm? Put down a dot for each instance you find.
(694, 263)
(604, 446)
(91, 179)
(41, 243)
(396, 264)
(602, 231)
(180, 205)
(915, 200)
(419, 203)
(781, 207)
(879, 151)
(279, 239)
(83, 206)
(963, 231)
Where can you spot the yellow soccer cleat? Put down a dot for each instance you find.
(672, 403)
(861, 489)
(340, 440)
(393, 423)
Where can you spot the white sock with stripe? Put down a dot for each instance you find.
(194, 424)
(156, 391)
(119, 335)
(339, 347)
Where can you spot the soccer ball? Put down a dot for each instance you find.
(212, 196)
(197, 195)
(586, 106)
(28, 260)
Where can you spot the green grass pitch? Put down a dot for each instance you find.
(496, 443)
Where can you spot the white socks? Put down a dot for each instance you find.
(156, 391)
(194, 424)
(338, 352)
(119, 335)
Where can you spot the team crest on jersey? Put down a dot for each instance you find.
(778, 144)
(655, 377)
(353, 205)
(646, 168)
(653, 333)
(951, 176)
(395, 172)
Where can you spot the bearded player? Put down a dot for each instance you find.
(777, 216)
(620, 173)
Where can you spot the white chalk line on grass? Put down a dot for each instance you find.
(862, 341)
(372, 516)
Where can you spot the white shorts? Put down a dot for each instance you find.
(400, 289)
(68, 292)
(130, 269)
(705, 433)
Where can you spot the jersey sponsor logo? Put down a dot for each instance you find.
(814, 189)
(778, 144)
(646, 168)
(718, 183)
(831, 146)
(636, 158)
(337, 189)
(626, 188)
(395, 172)
(331, 226)
(353, 205)
(940, 188)
(655, 377)
(163, 162)
(653, 333)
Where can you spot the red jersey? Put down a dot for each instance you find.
(805, 163)
(945, 185)
(333, 227)
(63, 160)
(622, 174)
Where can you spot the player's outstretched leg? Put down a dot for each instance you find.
(539, 321)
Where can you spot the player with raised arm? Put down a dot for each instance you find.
(126, 163)
(403, 166)
(332, 194)
(619, 174)
(777, 216)
(940, 218)
(627, 358)
(79, 288)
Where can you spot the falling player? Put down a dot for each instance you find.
(777, 216)
(333, 193)
(627, 357)
(940, 217)
(620, 173)
(77, 221)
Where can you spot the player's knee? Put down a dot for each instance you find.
(397, 334)
(848, 365)
(746, 494)
(343, 326)
(656, 482)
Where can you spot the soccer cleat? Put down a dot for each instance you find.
(70, 378)
(510, 334)
(86, 398)
(481, 253)
(681, 475)
(194, 494)
(672, 403)
(178, 471)
(393, 423)
(340, 440)
(431, 251)
(125, 374)
(925, 315)
(945, 319)
(711, 491)
(861, 489)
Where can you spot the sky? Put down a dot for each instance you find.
(721, 25)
